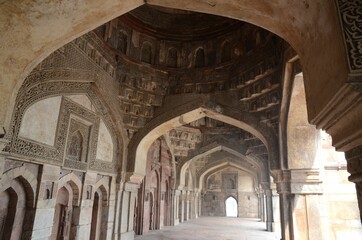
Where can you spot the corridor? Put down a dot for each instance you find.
(213, 228)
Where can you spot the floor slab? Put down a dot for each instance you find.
(213, 228)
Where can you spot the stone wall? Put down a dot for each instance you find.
(226, 183)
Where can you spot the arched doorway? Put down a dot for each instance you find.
(12, 211)
(94, 234)
(62, 215)
(231, 207)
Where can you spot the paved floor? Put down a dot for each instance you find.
(213, 228)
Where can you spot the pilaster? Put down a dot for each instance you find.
(129, 197)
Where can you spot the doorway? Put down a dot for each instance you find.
(231, 207)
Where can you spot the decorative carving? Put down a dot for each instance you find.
(351, 22)
(36, 87)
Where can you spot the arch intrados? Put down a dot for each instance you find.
(185, 114)
(221, 167)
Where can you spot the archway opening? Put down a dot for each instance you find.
(231, 207)
(95, 218)
(62, 217)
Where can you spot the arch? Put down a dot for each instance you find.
(183, 166)
(72, 181)
(13, 211)
(225, 52)
(62, 214)
(172, 58)
(122, 44)
(100, 212)
(80, 88)
(103, 186)
(199, 58)
(75, 149)
(26, 178)
(95, 226)
(221, 165)
(268, 15)
(231, 207)
(187, 113)
(146, 53)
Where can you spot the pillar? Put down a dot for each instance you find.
(129, 197)
(269, 209)
(306, 187)
(276, 210)
(354, 167)
(176, 204)
(286, 220)
(187, 207)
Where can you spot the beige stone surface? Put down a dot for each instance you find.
(82, 100)
(40, 121)
(138, 98)
(105, 144)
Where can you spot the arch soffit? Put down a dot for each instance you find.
(187, 113)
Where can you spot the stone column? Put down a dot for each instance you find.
(84, 222)
(187, 202)
(354, 167)
(260, 204)
(306, 187)
(176, 199)
(129, 197)
(264, 206)
(276, 210)
(182, 206)
(286, 220)
(118, 209)
(269, 209)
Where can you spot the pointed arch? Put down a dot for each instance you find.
(199, 58)
(122, 44)
(226, 51)
(231, 206)
(147, 53)
(191, 111)
(172, 57)
(74, 183)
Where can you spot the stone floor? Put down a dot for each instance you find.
(213, 228)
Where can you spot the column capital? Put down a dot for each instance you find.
(282, 181)
(354, 164)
